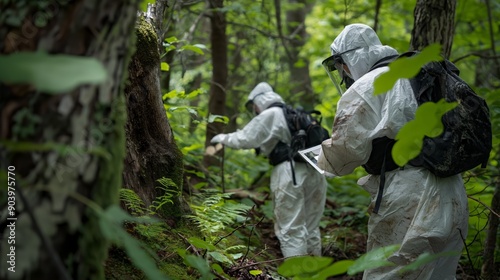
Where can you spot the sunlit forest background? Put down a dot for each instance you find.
(107, 109)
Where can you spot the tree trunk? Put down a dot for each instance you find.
(300, 79)
(217, 102)
(76, 145)
(151, 150)
(488, 270)
(434, 23)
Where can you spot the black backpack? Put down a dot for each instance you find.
(466, 139)
(306, 130)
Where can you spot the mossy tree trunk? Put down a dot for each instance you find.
(77, 139)
(151, 150)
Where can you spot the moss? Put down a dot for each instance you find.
(147, 43)
(118, 266)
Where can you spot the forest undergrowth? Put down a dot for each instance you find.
(229, 233)
(237, 241)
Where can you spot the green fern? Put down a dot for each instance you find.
(170, 190)
(133, 202)
(216, 212)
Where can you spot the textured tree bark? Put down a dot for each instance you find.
(217, 101)
(302, 91)
(77, 138)
(151, 150)
(434, 23)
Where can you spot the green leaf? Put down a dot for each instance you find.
(201, 244)
(255, 272)
(427, 122)
(426, 258)
(373, 259)
(297, 266)
(218, 118)
(406, 67)
(51, 73)
(165, 67)
(171, 40)
(193, 49)
(170, 94)
(220, 258)
(337, 268)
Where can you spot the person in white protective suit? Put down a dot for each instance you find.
(418, 210)
(297, 208)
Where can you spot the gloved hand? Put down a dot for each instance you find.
(218, 138)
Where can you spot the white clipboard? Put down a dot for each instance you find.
(311, 156)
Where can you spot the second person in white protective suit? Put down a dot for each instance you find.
(418, 210)
(297, 208)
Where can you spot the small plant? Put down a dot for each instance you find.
(216, 212)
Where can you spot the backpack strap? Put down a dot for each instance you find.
(282, 152)
(384, 62)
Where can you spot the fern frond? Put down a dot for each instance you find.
(170, 190)
(216, 212)
(132, 201)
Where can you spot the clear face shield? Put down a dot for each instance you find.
(250, 105)
(334, 66)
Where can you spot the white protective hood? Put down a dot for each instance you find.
(368, 47)
(263, 96)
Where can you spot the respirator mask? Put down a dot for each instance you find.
(334, 66)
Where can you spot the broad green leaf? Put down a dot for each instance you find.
(373, 259)
(171, 40)
(170, 94)
(201, 244)
(406, 67)
(193, 49)
(193, 94)
(427, 122)
(51, 73)
(165, 67)
(337, 268)
(426, 258)
(220, 258)
(303, 265)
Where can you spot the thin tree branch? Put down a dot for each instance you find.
(486, 206)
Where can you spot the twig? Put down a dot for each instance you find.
(229, 234)
(249, 237)
(487, 207)
(468, 255)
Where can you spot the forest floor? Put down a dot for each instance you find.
(343, 238)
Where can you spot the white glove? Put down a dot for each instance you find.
(218, 138)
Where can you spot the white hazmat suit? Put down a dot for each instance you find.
(419, 211)
(297, 208)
